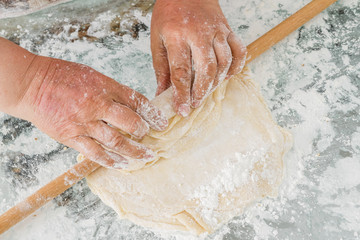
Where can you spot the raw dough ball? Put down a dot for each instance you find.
(210, 166)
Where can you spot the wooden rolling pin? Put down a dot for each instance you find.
(84, 168)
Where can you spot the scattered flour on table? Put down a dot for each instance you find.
(304, 88)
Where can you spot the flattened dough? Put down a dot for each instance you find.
(210, 166)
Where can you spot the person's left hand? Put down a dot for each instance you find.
(192, 39)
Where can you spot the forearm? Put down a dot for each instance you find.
(18, 68)
(14, 63)
(77, 106)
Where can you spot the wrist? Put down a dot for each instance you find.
(14, 63)
(33, 82)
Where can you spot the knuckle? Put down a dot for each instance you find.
(180, 72)
(225, 32)
(238, 61)
(222, 35)
(232, 36)
(161, 75)
(240, 53)
(167, 28)
(72, 131)
(206, 64)
(225, 62)
(202, 86)
(102, 159)
(227, 52)
(208, 58)
(138, 99)
(96, 155)
(117, 142)
(133, 95)
(171, 32)
(91, 126)
(224, 28)
(179, 94)
(78, 130)
(172, 42)
(210, 69)
(104, 104)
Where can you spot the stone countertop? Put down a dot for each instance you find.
(310, 80)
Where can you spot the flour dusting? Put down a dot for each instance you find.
(310, 81)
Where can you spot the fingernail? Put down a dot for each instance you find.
(154, 116)
(164, 123)
(142, 129)
(184, 109)
(119, 161)
(149, 156)
(160, 123)
(196, 103)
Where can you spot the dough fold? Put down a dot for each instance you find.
(224, 156)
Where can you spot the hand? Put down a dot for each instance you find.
(193, 49)
(84, 109)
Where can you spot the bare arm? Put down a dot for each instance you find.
(77, 106)
(14, 63)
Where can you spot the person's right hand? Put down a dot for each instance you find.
(85, 110)
(194, 50)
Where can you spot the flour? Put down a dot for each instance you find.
(310, 81)
(237, 172)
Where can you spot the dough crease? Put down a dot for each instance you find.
(210, 166)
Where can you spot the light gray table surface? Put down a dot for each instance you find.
(311, 83)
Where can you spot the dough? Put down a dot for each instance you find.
(210, 166)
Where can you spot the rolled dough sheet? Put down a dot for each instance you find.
(211, 165)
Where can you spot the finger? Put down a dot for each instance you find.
(92, 150)
(113, 140)
(126, 120)
(223, 57)
(180, 74)
(142, 106)
(239, 52)
(205, 65)
(161, 64)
